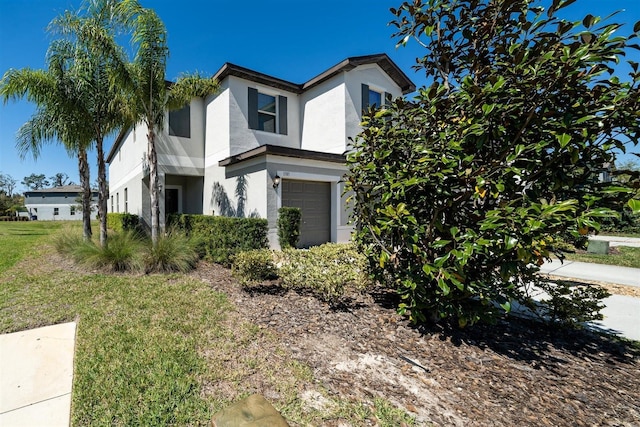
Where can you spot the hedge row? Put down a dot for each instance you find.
(329, 271)
(123, 222)
(220, 238)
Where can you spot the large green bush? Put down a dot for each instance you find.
(219, 238)
(462, 193)
(289, 226)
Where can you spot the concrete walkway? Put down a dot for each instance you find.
(36, 375)
(618, 240)
(593, 272)
(621, 313)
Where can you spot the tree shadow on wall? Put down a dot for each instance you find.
(220, 198)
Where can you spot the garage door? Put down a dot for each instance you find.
(314, 200)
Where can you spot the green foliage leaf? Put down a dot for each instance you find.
(563, 139)
(634, 204)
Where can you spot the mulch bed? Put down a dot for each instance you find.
(512, 373)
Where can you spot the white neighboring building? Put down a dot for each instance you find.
(57, 204)
(284, 142)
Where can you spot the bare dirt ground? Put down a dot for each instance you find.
(513, 373)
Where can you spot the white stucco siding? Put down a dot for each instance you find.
(373, 76)
(131, 200)
(256, 199)
(217, 127)
(323, 117)
(128, 160)
(240, 136)
(180, 155)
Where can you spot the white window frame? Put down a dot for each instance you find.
(276, 114)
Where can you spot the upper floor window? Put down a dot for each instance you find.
(180, 122)
(374, 98)
(267, 113)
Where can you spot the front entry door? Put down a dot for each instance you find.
(171, 201)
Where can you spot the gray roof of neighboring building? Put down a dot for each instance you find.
(57, 190)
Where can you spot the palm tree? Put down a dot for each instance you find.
(148, 95)
(97, 59)
(53, 91)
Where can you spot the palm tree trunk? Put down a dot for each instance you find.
(83, 169)
(102, 191)
(153, 185)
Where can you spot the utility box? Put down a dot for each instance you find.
(600, 247)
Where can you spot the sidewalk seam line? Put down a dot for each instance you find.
(34, 403)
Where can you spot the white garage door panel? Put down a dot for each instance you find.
(314, 200)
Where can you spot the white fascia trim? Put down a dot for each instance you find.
(308, 163)
(309, 176)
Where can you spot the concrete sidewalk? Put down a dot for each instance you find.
(36, 375)
(593, 272)
(634, 242)
(621, 313)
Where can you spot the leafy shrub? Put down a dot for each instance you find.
(572, 304)
(254, 266)
(628, 222)
(328, 271)
(122, 252)
(289, 226)
(461, 190)
(174, 251)
(219, 238)
(123, 222)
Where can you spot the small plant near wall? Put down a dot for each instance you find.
(289, 226)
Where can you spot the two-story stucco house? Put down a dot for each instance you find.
(58, 203)
(273, 142)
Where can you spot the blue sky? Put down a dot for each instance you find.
(290, 39)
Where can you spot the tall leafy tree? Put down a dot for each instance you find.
(35, 181)
(148, 95)
(461, 193)
(60, 179)
(7, 184)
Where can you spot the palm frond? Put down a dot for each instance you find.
(188, 86)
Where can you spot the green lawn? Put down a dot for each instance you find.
(154, 349)
(18, 238)
(628, 257)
